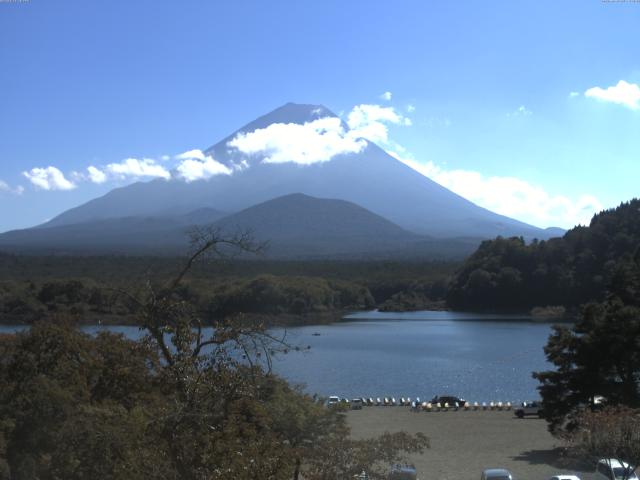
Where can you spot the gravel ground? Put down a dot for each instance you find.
(464, 443)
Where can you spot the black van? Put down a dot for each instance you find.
(450, 399)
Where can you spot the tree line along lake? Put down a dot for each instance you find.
(414, 354)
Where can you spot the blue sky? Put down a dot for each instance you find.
(530, 108)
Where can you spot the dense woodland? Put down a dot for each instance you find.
(89, 288)
(74, 406)
(581, 266)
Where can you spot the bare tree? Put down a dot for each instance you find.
(210, 367)
(175, 325)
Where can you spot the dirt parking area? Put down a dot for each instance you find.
(464, 443)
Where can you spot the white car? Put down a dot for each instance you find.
(564, 477)
(333, 401)
(613, 469)
(529, 408)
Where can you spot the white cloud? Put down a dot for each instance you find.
(370, 122)
(574, 94)
(5, 187)
(195, 153)
(386, 96)
(399, 156)
(96, 175)
(513, 197)
(521, 111)
(319, 140)
(132, 167)
(624, 93)
(192, 165)
(49, 178)
(242, 165)
(312, 142)
(198, 166)
(411, 108)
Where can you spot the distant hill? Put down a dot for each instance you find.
(372, 179)
(135, 235)
(294, 226)
(584, 265)
(300, 225)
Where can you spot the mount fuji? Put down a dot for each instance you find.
(413, 208)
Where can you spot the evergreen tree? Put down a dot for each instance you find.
(598, 356)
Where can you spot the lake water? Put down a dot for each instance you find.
(375, 354)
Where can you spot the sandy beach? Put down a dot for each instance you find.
(464, 443)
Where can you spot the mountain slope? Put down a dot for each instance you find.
(372, 179)
(162, 234)
(292, 226)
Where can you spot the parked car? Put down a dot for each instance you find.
(613, 469)
(450, 399)
(496, 474)
(402, 472)
(529, 408)
(356, 404)
(598, 403)
(333, 401)
(564, 477)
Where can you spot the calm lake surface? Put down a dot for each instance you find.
(375, 354)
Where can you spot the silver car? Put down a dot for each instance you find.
(496, 474)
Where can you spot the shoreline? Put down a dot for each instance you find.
(297, 320)
(270, 320)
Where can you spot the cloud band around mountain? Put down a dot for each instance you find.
(195, 165)
(319, 140)
(512, 197)
(312, 142)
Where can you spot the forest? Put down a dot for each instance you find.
(89, 289)
(582, 266)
